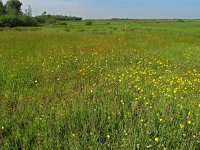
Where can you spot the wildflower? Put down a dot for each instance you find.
(181, 126)
(189, 122)
(138, 146)
(161, 120)
(175, 91)
(171, 119)
(156, 139)
(108, 136)
(73, 135)
(149, 146)
(122, 102)
(199, 105)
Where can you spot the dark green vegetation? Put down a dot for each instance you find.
(11, 15)
(112, 85)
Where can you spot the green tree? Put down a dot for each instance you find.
(2, 8)
(13, 7)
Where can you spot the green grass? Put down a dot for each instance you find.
(121, 85)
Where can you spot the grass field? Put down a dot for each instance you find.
(113, 85)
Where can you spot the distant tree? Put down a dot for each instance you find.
(28, 11)
(44, 13)
(13, 7)
(2, 9)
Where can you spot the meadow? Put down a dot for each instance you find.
(111, 85)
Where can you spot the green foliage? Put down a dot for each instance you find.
(14, 21)
(54, 18)
(88, 23)
(51, 20)
(12, 16)
(13, 7)
(2, 9)
(180, 20)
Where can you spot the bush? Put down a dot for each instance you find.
(51, 19)
(88, 23)
(14, 21)
(40, 19)
(180, 20)
(28, 21)
(67, 30)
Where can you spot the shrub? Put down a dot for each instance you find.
(67, 30)
(81, 30)
(52, 21)
(40, 19)
(88, 23)
(14, 21)
(180, 20)
(108, 23)
(28, 21)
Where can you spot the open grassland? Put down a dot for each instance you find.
(112, 85)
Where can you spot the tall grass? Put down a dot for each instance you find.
(80, 90)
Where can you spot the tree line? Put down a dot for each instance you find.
(11, 15)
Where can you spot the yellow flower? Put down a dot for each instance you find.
(175, 91)
(156, 139)
(161, 120)
(73, 135)
(199, 105)
(181, 126)
(108, 136)
(171, 119)
(189, 122)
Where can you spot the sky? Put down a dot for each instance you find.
(105, 9)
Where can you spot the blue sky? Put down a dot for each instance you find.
(117, 8)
